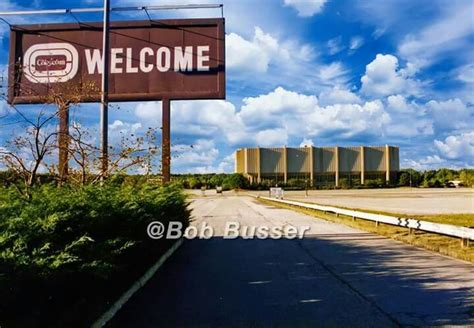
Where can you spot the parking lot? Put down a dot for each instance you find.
(400, 200)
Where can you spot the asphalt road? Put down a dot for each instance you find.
(335, 277)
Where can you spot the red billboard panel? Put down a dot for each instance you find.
(148, 60)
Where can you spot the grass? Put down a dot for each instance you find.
(442, 244)
(458, 219)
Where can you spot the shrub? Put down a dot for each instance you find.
(234, 181)
(68, 249)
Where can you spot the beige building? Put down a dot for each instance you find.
(319, 165)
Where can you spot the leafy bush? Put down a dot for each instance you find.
(65, 249)
(467, 177)
(234, 181)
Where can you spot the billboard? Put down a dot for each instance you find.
(148, 60)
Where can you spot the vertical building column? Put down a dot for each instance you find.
(246, 163)
(387, 164)
(336, 159)
(285, 164)
(236, 160)
(259, 167)
(311, 165)
(362, 165)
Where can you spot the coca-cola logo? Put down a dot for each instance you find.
(50, 62)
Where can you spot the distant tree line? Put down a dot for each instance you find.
(407, 177)
(435, 178)
(439, 178)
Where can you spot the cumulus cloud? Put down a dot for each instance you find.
(201, 153)
(401, 111)
(284, 112)
(203, 156)
(306, 143)
(306, 8)
(246, 55)
(123, 127)
(384, 77)
(425, 163)
(257, 54)
(149, 112)
(457, 147)
(200, 118)
(338, 95)
(450, 114)
(264, 61)
(278, 103)
(272, 137)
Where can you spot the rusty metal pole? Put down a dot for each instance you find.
(165, 142)
(63, 142)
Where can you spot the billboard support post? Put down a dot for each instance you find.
(165, 141)
(63, 142)
(104, 101)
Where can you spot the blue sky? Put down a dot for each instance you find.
(313, 72)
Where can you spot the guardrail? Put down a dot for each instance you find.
(464, 233)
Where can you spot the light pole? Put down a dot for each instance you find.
(104, 97)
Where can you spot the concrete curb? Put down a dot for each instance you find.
(110, 313)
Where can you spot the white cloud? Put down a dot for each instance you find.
(356, 42)
(306, 143)
(338, 95)
(384, 77)
(306, 8)
(245, 58)
(447, 34)
(398, 103)
(201, 157)
(456, 147)
(149, 112)
(344, 121)
(124, 128)
(206, 118)
(466, 73)
(401, 111)
(203, 118)
(202, 153)
(282, 114)
(335, 45)
(450, 114)
(245, 55)
(279, 103)
(272, 137)
(424, 163)
(333, 74)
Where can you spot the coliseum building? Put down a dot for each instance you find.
(319, 166)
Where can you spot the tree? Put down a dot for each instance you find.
(409, 177)
(467, 177)
(234, 181)
(33, 149)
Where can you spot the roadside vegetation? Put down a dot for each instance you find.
(73, 239)
(440, 178)
(438, 243)
(67, 253)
